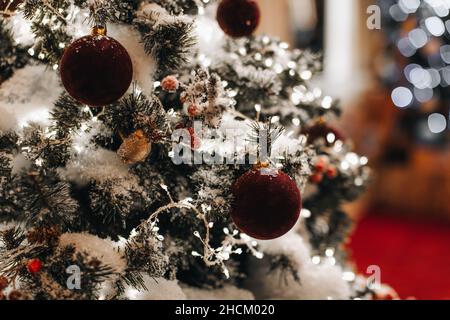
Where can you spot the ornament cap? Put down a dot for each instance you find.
(321, 121)
(261, 165)
(99, 31)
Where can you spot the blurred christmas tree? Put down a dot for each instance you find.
(418, 71)
(147, 192)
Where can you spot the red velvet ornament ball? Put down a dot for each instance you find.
(266, 204)
(321, 130)
(9, 5)
(238, 18)
(34, 265)
(96, 70)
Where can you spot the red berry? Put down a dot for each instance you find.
(319, 167)
(316, 178)
(320, 164)
(34, 265)
(332, 172)
(170, 83)
(193, 110)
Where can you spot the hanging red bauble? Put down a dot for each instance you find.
(238, 18)
(266, 204)
(9, 6)
(321, 130)
(34, 265)
(96, 70)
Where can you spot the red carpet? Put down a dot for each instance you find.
(414, 256)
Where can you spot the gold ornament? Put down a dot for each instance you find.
(135, 148)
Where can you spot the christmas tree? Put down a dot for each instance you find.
(159, 150)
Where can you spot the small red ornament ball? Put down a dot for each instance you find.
(322, 130)
(238, 18)
(11, 5)
(34, 265)
(96, 70)
(266, 205)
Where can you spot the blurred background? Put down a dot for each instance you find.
(393, 82)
